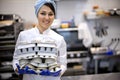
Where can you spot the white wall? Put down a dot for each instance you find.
(69, 8)
(24, 8)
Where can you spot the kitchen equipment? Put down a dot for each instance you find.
(10, 26)
(114, 12)
(101, 30)
(112, 46)
(71, 37)
(99, 50)
(9, 30)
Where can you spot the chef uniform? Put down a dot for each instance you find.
(34, 34)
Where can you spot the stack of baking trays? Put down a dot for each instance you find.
(10, 26)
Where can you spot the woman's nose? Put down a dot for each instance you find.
(47, 17)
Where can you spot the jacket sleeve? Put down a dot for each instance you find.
(15, 60)
(63, 56)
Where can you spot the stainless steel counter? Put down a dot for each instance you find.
(110, 59)
(108, 76)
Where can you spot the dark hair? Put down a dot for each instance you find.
(51, 7)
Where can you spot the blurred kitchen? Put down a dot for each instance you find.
(91, 29)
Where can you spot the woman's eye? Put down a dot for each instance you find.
(42, 13)
(50, 14)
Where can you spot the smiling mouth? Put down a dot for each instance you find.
(47, 22)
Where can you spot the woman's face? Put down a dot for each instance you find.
(45, 18)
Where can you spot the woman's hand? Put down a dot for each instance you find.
(25, 70)
(48, 73)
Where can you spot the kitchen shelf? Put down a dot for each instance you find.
(7, 37)
(10, 27)
(93, 17)
(79, 60)
(6, 57)
(97, 56)
(6, 69)
(7, 47)
(7, 42)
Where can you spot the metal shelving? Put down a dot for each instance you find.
(10, 26)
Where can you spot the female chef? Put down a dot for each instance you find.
(45, 11)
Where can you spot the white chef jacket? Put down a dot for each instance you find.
(33, 34)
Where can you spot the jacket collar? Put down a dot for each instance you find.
(44, 33)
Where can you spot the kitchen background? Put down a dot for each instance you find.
(68, 10)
